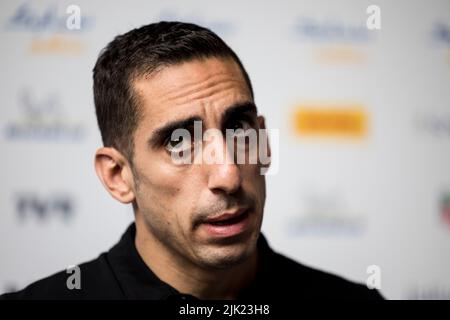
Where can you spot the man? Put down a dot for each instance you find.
(197, 225)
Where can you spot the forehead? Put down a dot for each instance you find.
(196, 88)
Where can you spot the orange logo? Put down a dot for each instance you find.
(330, 121)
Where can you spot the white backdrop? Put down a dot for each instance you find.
(372, 189)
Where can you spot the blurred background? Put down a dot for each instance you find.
(364, 133)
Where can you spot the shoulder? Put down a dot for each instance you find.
(318, 283)
(96, 281)
(282, 273)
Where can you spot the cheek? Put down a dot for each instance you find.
(254, 183)
(169, 193)
(155, 189)
(251, 172)
(165, 190)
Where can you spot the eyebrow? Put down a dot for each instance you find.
(239, 109)
(163, 132)
(160, 134)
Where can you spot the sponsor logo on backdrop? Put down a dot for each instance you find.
(445, 208)
(330, 121)
(333, 41)
(327, 31)
(42, 118)
(223, 28)
(53, 27)
(326, 213)
(436, 124)
(440, 35)
(35, 206)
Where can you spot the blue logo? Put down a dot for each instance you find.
(221, 27)
(42, 119)
(326, 214)
(313, 30)
(441, 34)
(51, 19)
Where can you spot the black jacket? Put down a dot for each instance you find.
(120, 273)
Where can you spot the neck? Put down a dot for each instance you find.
(189, 278)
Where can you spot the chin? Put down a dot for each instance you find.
(225, 258)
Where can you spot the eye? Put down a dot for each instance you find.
(239, 127)
(178, 144)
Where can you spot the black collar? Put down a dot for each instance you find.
(138, 281)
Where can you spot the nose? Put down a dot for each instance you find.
(226, 175)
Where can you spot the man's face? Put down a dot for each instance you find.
(179, 202)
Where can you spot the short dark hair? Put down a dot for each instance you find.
(138, 53)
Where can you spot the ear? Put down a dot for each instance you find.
(115, 174)
(268, 153)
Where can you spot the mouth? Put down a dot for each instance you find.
(227, 218)
(228, 224)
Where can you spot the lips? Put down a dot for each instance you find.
(227, 224)
(227, 218)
